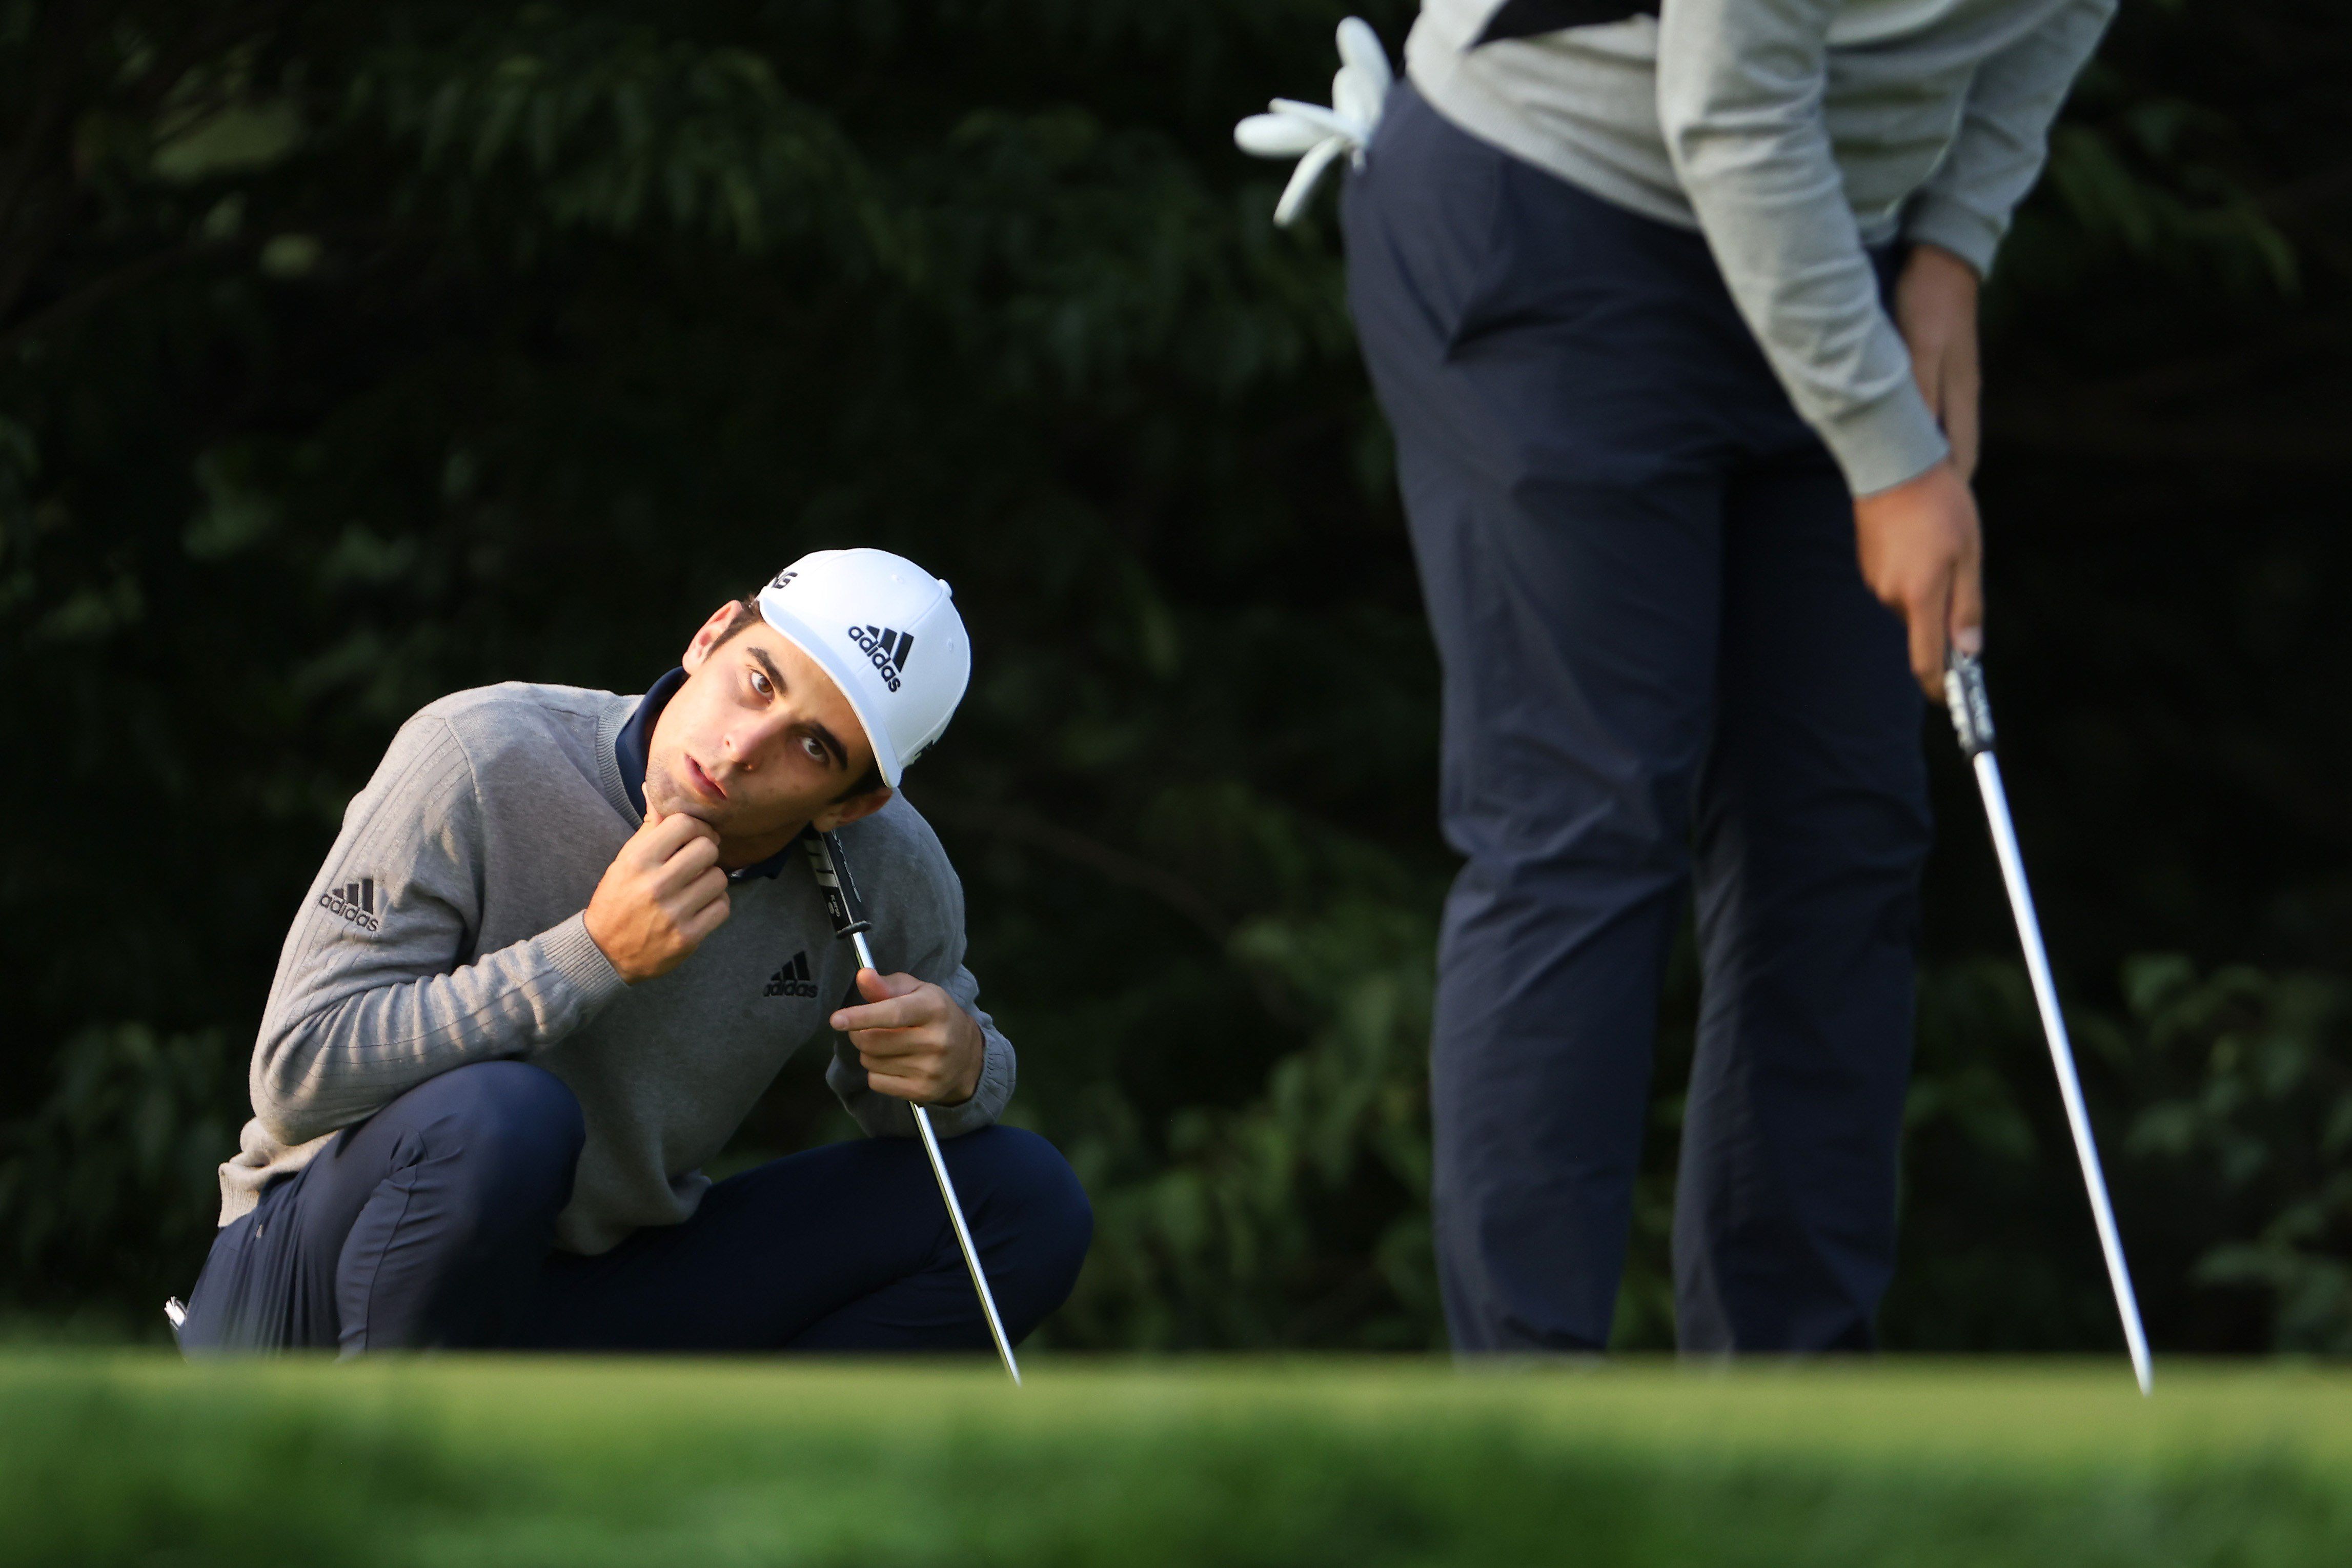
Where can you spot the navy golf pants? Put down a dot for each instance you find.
(1661, 668)
(430, 1225)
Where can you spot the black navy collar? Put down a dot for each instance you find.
(632, 747)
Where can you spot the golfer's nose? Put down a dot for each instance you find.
(750, 739)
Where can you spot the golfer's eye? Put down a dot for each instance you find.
(815, 749)
(759, 683)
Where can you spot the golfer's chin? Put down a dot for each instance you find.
(733, 821)
(672, 801)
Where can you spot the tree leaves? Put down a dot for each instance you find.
(351, 354)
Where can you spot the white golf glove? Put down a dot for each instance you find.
(1315, 135)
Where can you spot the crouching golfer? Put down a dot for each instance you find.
(561, 945)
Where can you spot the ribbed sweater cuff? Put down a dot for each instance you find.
(1966, 234)
(1885, 444)
(988, 1098)
(574, 955)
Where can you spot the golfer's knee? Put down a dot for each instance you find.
(513, 1134)
(1046, 1222)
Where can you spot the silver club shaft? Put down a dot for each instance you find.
(955, 1207)
(2062, 1057)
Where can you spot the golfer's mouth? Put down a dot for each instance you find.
(701, 783)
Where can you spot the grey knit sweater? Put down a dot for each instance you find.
(1793, 133)
(446, 926)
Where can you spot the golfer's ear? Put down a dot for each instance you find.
(712, 630)
(849, 811)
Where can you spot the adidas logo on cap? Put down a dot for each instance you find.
(886, 650)
(859, 613)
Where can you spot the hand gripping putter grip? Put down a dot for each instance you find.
(831, 869)
(1964, 691)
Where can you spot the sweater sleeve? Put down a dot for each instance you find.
(375, 992)
(2004, 135)
(1740, 86)
(933, 950)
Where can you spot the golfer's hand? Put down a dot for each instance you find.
(915, 1041)
(1922, 555)
(1936, 309)
(663, 894)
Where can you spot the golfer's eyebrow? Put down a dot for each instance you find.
(824, 736)
(832, 747)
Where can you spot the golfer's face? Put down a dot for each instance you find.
(759, 739)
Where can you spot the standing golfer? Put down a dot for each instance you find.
(563, 942)
(1674, 316)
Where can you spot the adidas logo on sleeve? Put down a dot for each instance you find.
(355, 902)
(791, 980)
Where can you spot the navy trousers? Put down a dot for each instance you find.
(430, 1225)
(1660, 667)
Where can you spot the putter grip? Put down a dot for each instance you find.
(1964, 694)
(831, 869)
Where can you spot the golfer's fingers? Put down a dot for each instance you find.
(688, 864)
(1965, 631)
(896, 1049)
(1958, 411)
(921, 1090)
(908, 1074)
(876, 988)
(1928, 617)
(899, 1012)
(699, 895)
(663, 836)
(1927, 370)
(699, 925)
(892, 1001)
(663, 831)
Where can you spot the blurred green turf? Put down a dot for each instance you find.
(137, 1458)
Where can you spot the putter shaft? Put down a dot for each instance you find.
(1972, 717)
(955, 1207)
(831, 869)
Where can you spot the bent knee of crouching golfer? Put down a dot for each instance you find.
(469, 1171)
(511, 1135)
(417, 1226)
(1032, 1216)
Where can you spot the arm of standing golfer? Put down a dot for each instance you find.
(2004, 136)
(375, 991)
(1740, 100)
(1739, 92)
(1958, 220)
(1921, 543)
(1904, 535)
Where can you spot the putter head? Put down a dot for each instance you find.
(1964, 695)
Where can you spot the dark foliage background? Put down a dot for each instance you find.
(353, 353)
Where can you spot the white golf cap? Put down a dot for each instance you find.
(889, 634)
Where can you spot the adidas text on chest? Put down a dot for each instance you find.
(791, 980)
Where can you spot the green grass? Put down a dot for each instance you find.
(130, 1458)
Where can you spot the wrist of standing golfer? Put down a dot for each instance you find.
(1921, 550)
